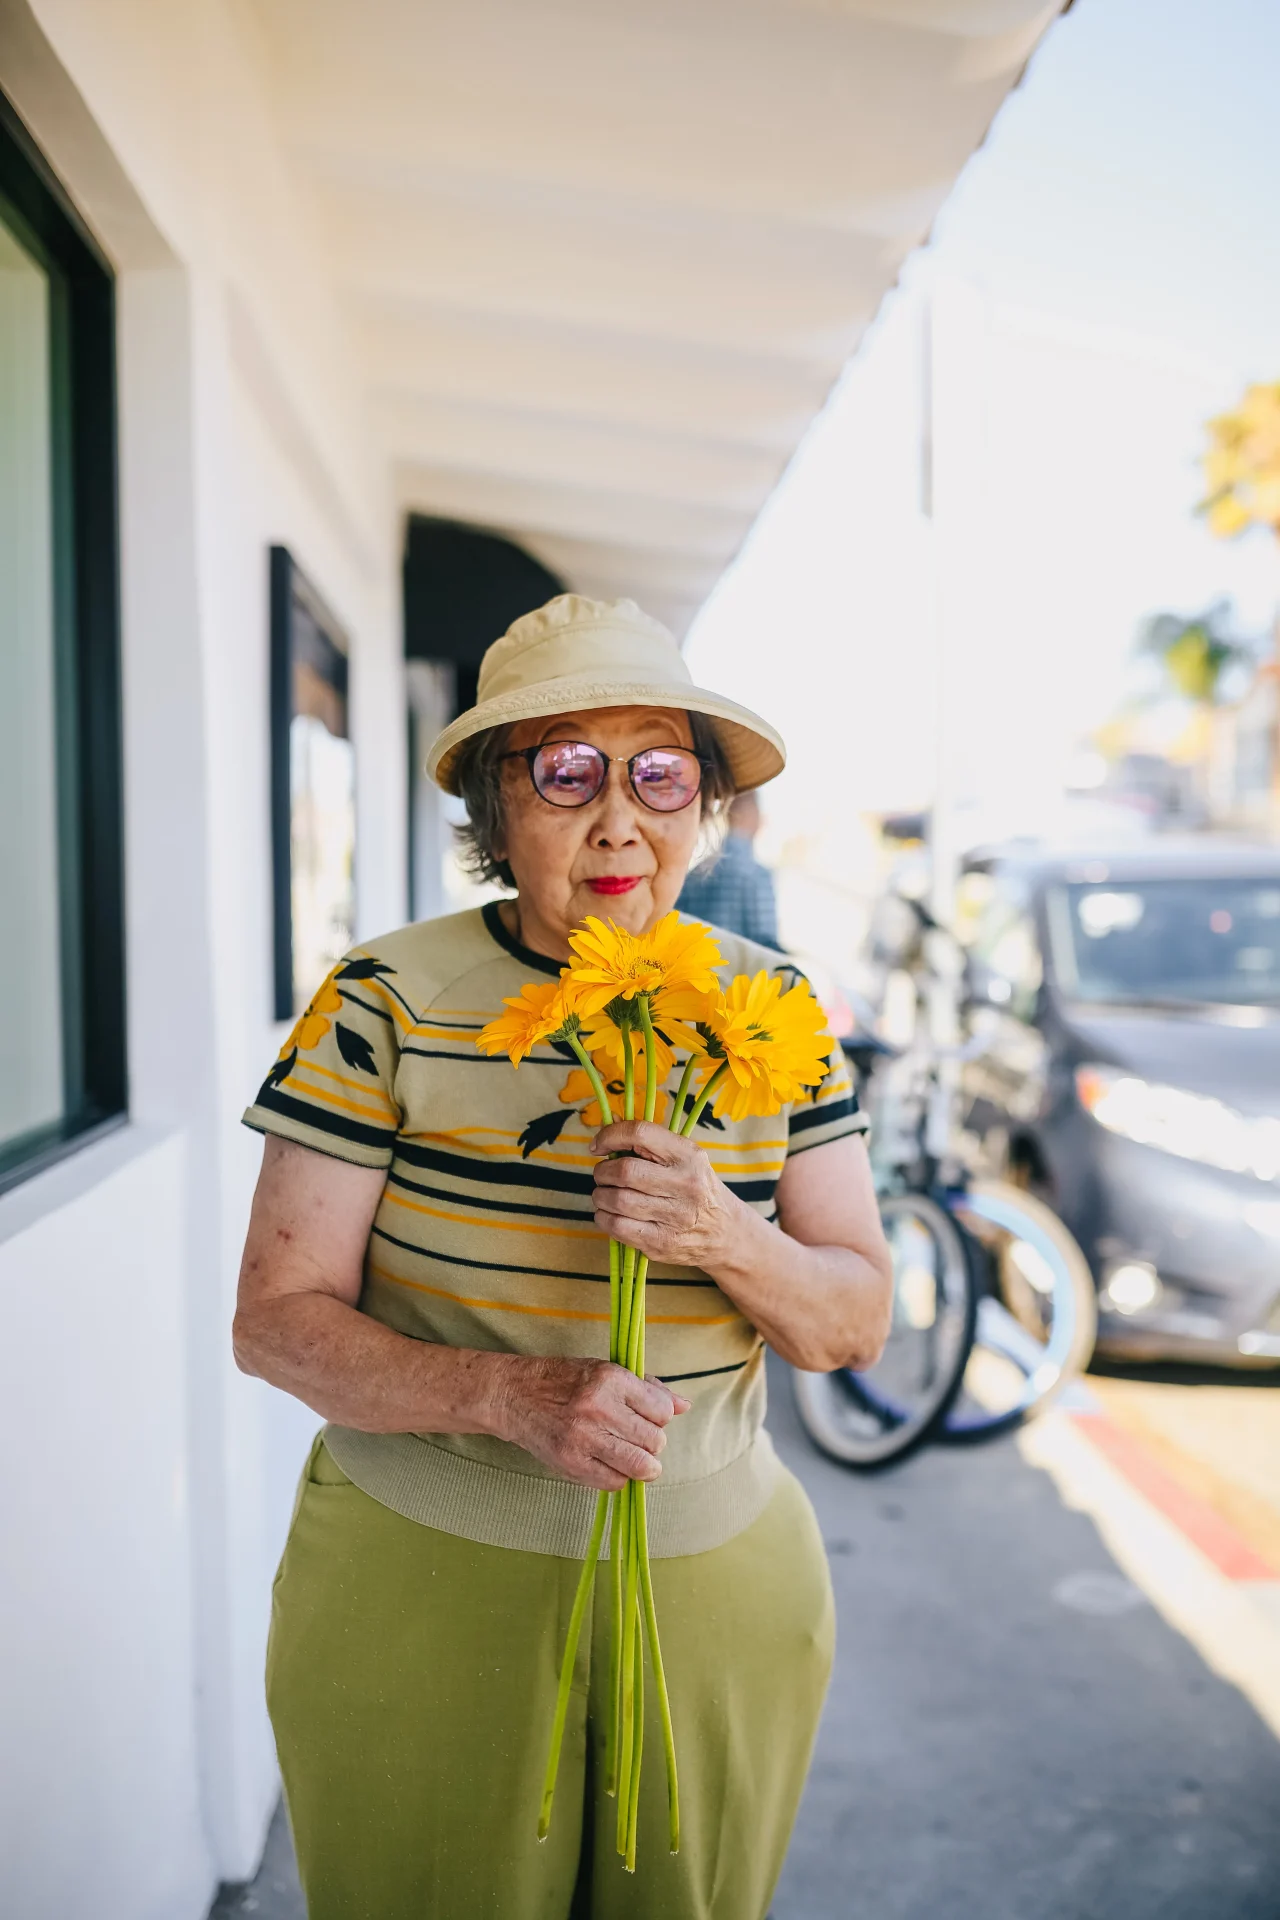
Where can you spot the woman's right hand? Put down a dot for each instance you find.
(588, 1420)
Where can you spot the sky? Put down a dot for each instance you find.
(1103, 278)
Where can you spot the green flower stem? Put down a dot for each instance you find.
(639, 1263)
(635, 1343)
(638, 1543)
(628, 1075)
(633, 1812)
(621, 1283)
(629, 1253)
(586, 1580)
(629, 1637)
(660, 1678)
(634, 1617)
(615, 1252)
(616, 1552)
(674, 1123)
(597, 1084)
(650, 1057)
(707, 1093)
(615, 1298)
(627, 1309)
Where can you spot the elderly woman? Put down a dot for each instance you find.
(426, 1268)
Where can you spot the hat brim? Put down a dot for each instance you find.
(752, 747)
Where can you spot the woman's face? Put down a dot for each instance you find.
(614, 857)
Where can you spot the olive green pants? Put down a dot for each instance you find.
(411, 1677)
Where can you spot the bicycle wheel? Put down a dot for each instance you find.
(1037, 1318)
(873, 1418)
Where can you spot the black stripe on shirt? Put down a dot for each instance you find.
(387, 987)
(517, 1173)
(491, 1206)
(474, 1057)
(530, 1173)
(819, 1116)
(669, 1379)
(324, 1121)
(366, 1006)
(534, 1273)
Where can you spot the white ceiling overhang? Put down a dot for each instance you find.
(601, 263)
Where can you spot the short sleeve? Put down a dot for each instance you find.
(332, 1088)
(830, 1113)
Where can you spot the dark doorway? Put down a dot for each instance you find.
(462, 590)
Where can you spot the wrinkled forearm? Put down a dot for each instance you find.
(358, 1373)
(819, 1307)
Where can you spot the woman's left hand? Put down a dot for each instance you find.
(662, 1197)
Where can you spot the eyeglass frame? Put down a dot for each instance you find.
(530, 754)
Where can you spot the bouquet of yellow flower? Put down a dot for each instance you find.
(751, 1049)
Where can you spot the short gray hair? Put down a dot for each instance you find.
(478, 773)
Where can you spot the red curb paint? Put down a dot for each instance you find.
(1201, 1524)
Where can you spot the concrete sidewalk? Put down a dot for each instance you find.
(1013, 1733)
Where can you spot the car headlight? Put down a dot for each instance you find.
(1192, 1125)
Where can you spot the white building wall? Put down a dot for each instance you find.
(150, 1483)
(100, 1811)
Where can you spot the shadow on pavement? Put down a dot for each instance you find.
(989, 1751)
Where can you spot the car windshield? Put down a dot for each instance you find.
(1206, 941)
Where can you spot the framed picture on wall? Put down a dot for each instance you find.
(313, 789)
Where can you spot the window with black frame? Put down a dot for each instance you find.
(62, 1042)
(313, 789)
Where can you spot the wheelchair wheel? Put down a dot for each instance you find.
(871, 1419)
(1037, 1315)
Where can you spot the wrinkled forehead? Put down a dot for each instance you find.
(615, 730)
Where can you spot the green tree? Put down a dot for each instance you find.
(1197, 651)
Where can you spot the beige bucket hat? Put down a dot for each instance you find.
(575, 654)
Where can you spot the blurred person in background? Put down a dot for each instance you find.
(735, 890)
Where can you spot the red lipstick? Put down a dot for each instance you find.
(613, 883)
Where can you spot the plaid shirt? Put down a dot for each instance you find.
(736, 893)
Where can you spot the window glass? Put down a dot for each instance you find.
(62, 1030)
(31, 1045)
(1200, 941)
(1003, 942)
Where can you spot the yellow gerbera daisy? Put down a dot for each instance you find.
(673, 962)
(536, 1011)
(772, 1046)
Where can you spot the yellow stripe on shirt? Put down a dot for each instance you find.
(344, 1080)
(549, 1313)
(380, 1114)
(488, 1222)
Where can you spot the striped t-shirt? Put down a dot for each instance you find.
(484, 1236)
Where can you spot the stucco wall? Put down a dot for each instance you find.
(96, 1647)
(150, 1483)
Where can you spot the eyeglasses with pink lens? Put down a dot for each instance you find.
(570, 773)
